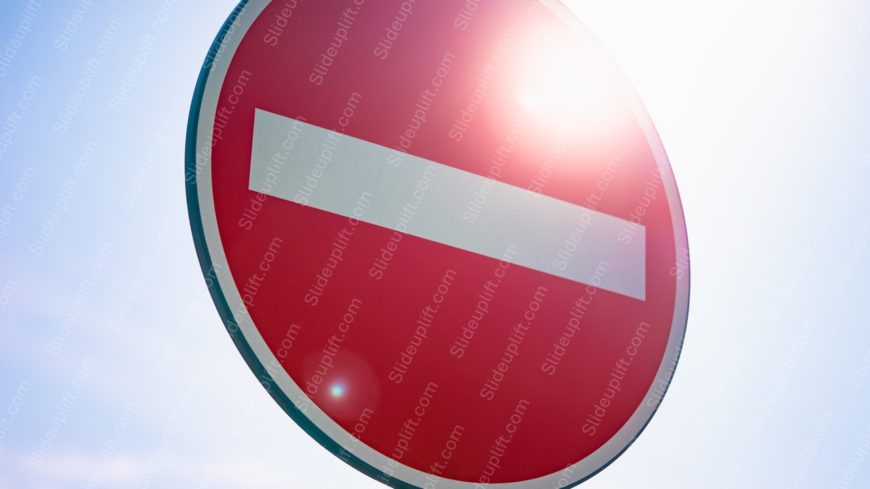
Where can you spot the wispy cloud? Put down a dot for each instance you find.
(85, 471)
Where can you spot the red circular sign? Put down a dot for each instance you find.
(444, 235)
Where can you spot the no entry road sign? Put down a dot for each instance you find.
(444, 235)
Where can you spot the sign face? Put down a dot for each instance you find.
(444, 235)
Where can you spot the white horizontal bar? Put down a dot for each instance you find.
(310, 165)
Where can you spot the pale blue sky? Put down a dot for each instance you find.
(115, 370)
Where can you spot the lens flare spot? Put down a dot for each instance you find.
(560, 85)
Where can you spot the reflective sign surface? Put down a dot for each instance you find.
(444, 235)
